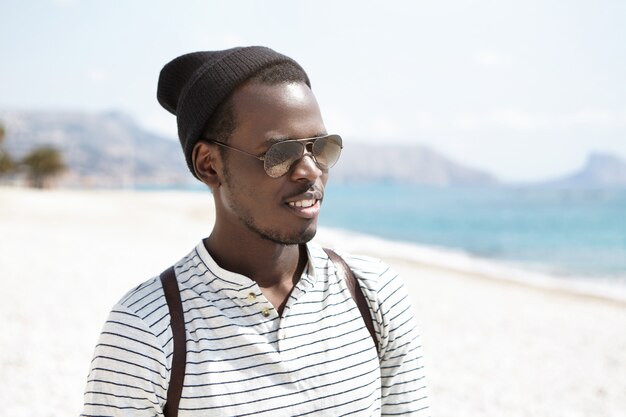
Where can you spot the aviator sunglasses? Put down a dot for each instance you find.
(279, 158)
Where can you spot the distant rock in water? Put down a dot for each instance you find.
(601, 170)
(404, 164)
(101, 150)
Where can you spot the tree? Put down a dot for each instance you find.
(42, 164)
(6, 162)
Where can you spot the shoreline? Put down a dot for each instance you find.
(445, 259)
(471, 266)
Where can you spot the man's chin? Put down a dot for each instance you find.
(307, 236)
(298, 239)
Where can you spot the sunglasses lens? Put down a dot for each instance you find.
(327, 150)
(281, 156)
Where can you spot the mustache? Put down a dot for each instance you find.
(309, 190)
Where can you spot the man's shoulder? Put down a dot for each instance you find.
(139, 297)
(365, 265)
(368, 269)
(149, 294)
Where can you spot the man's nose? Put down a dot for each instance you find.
(305, 168)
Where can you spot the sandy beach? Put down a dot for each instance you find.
(494, 347)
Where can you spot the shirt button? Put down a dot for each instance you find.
(281, 334)
(251, 296)
(265, 312)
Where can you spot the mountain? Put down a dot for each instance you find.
(109, 149)
(601, 170)
(106, 149)
(404, 164)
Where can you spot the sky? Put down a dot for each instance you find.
(523, 89)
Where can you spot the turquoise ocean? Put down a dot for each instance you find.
(567, 233)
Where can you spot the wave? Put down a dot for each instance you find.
(607, 288)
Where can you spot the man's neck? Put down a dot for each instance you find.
(275, 267)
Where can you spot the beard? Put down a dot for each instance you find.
(295, 237)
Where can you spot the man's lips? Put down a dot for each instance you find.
(306, 205)
(303, 203)
(313, 194)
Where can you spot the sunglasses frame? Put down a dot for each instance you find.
(305, 142)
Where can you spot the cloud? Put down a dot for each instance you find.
(600, 118)
(64, 3)
(160, 122)
(384, 127)
(97, 75)
(430, 124)
(487, 58)
(509, 118)
(516, 119)
(223, 41)
(426, 121)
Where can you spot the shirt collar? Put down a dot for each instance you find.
(317, 258)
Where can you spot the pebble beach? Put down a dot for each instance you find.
(494, 345)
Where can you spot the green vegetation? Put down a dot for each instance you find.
(6, 162)
(41, 164)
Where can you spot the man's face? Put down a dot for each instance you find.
(273, 208)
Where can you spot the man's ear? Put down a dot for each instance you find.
(206, 164)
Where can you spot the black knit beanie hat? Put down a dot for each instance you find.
(192, 86)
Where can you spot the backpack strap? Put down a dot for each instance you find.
(177, 322)
(344, 271)
(179, 356)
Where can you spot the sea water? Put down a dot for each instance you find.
(573, 232)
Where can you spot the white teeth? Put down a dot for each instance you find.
(302, 203)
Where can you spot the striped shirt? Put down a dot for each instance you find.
(244, 359)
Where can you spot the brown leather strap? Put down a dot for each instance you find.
(177, 322)
(357, 294)
(179, 356)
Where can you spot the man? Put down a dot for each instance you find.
(270, 326)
